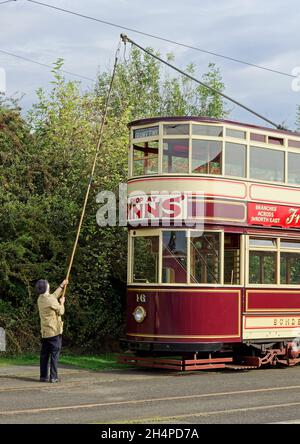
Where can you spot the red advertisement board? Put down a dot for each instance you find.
(273, 215)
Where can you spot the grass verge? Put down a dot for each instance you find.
(89, 362)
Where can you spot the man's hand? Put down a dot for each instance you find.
(62, 300)
(65, 283)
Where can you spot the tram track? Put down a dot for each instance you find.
(209, 413)
(166, 399)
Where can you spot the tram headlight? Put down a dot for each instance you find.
(139, 314)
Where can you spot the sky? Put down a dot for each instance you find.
(263, 32)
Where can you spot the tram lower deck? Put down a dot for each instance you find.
(189, 291)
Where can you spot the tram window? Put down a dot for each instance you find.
(266, 164)
(235, 133)
(294, 143)
(232, 259)
(175, 129)
(174, 260)
(262, 242)
(235, 159)
(205, 258)
(206, 157)
(207, 130)
(258, 137)
(294, 168)
(275, 140)
(176, 156)
(145, 259)
(262, 267)
(289, 268)
(145, 132)
(145, 158)
(290, 244)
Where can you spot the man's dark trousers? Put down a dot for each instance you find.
(50, 350)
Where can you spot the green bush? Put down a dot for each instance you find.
(45, 161)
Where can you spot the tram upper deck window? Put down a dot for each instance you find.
(235, 159)
(294, 168)
(258, 137)
(236, 134)
(176, 129)
(145, 158)
(174, 260)
(266, 164)
(150, 131)
(176, 156)
(207, 130)
(206, 156)
(294, 143)
(205, 258)
(145, 259)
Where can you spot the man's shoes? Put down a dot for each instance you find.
(43, 379)
(53, 380)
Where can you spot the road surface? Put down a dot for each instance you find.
(150, 396)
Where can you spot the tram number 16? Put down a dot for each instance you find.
(141, 297)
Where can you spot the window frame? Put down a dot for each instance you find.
(144, 140)
(224, 163)
(141, 232)
(221, 153)
(254, 146)
(278, 249)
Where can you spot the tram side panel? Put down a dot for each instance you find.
(271, 314)
(179, 315)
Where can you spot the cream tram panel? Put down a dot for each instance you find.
(275, 194)
(271, 327)
(210, 187)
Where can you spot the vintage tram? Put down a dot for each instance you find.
(214, 243)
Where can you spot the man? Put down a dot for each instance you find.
(50, 310)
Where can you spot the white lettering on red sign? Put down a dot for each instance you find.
(273, 215)
(157, 206)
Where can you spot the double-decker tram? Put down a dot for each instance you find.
(214, 243)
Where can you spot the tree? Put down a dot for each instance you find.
(46, 159)
(143, 89)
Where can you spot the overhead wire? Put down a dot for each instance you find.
(7, 1)
(161, 60)
(26, 59)
(216, 54)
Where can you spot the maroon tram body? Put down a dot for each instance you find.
(225, 279)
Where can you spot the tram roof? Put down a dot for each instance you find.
(153, 120)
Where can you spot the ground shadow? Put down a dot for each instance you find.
(21, 378)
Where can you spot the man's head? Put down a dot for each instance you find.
(42, 286)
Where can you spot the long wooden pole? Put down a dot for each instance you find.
(99, 144)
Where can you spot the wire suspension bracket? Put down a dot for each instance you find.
(126, 39)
